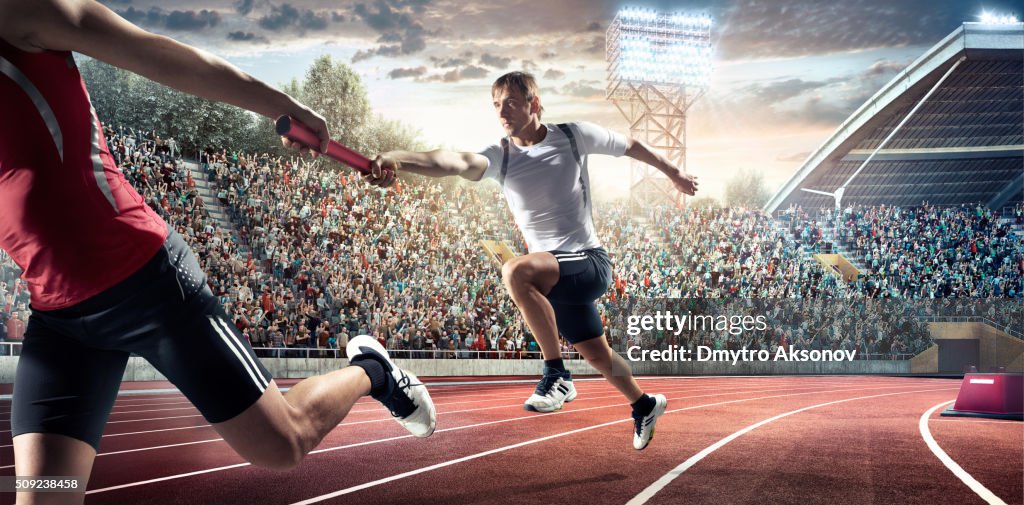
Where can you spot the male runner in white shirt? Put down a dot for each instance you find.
(542, 169)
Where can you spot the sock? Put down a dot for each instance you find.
(379, 383)
(554, 365)
(644, 406)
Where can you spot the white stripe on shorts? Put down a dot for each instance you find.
(241, 348)
(254, 374)
(565, 260)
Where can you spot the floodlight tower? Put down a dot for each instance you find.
(659, 64)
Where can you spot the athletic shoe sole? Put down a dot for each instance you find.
(364, 344)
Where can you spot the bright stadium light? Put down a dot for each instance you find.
(645, 46)
(989, 18)
(659, 64)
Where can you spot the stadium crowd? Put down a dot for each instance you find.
(314, 256)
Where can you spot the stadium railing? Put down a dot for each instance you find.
(313, 352)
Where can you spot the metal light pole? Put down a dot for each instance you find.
(659, 65)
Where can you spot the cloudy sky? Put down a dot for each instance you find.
(787, 72)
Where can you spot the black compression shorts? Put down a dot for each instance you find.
(73, 359)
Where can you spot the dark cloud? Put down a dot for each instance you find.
(400, 73)
(757, 29)
(460, 74)
(583, 89)
(192, 20)
(594, 26)
(280, 17)
(448, 62)
(553, 74)
(498, 62)
(241, 36)
(337, 17)
(287, 17)
(798, 102)
(776, 92)
(547, 55)
(474, 72)
(244, 7)
(884, 68)
(396, 21)
(172, 20)
(313, 21)
(530, 65)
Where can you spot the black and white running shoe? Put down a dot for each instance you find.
(407, 398)
(643, 426)
(553, 390)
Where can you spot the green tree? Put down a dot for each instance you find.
(334, 90)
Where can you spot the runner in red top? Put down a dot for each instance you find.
(78, 227)
(107, 276)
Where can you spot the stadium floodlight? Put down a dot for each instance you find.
(659, 64)
(644, 46)
(989, 18)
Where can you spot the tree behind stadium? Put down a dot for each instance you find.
(122, 98)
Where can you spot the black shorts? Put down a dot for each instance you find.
(583, 277)
(73, 359)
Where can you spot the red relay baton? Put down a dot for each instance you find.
(295, 131)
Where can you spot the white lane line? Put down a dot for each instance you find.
(649, 492)
(522, 444)
(583, 392)
(387, 419)
(457, 428)
(153, 419)
(966, 478)
(141, 449)
(142, 432)
(152, 410)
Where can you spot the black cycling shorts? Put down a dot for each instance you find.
(73, 359)
(583, 277)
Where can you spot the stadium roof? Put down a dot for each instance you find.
(965, 144)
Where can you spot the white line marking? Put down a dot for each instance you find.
(983, 381)
(488, 423)
(977, 487)
(649, 492)
(143, 432)
(517, 445)
(141, 449)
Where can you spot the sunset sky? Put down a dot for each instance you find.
(786, 72)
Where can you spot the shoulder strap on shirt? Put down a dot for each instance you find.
(504, 161)
(572, 142)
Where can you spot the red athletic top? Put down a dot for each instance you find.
(68, 217)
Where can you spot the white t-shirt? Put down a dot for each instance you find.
(547, 191)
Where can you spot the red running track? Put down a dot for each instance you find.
(723, 440)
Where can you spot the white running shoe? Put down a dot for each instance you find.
(407, 398)
(643, 426)
(553, 390)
